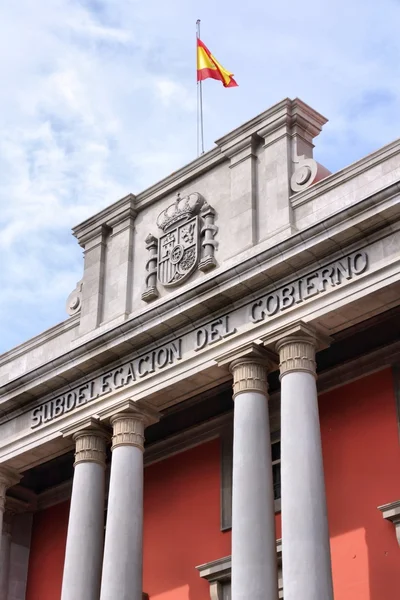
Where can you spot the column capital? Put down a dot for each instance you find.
(249, 366)
(7, 523)
(91, 439)
(90, 446)
(128, 430)
(297, 354)
(129, 419)
(249, 375)
(13, 507)
(296, 345)
(8, 478)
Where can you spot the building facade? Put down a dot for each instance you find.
(171, 440)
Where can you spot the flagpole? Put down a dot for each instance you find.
(200, 125)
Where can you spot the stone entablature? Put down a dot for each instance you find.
(268, 265)
(276, 263)
(322, 214)
(134, 369)
(198, 347)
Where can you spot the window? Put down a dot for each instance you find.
(226, 474)
(276, 467)
(218, 574)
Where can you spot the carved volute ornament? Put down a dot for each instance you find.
(306, 172)
(74, 300)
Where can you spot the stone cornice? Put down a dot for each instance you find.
(268, 118)
(292, 110)
(37, 340)
(139, 409)
(306, 120)
(179, 304)
(253, 350)
(296, 329)
(108, 217)
(287, 113)
(241, 151)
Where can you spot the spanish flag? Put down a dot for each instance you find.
(208, 66)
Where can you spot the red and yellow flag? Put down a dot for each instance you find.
(208, 66)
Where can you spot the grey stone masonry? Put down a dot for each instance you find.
(264, 187)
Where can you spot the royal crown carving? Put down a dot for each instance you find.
(187, 243)
(182, 209)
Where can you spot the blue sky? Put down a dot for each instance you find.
(98, 99)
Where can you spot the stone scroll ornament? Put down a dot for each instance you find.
(187, 244)
(74, 300)
(307, 171)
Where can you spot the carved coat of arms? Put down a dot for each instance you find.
(178, 252)
(187, 243)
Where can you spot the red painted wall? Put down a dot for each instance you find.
(362, 470)
(46, 559)
(181, 526)
(181, 503)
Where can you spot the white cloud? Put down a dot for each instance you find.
(98, 99)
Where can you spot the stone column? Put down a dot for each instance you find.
(8, 478)
(254, 564)
(122, 563)
(84, 550)
(5, 554)
(305, 536)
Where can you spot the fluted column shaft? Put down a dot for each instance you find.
(122, 563)
(254, 565)
(305, 536)
(84, 550)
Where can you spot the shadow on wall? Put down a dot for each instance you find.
(46, 559)
(362, 459)
(182, 523)
(182, 527)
